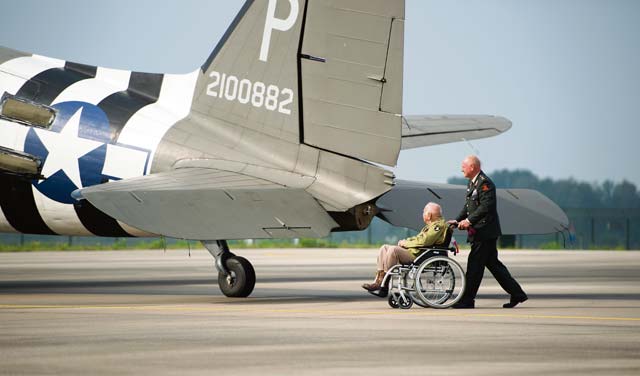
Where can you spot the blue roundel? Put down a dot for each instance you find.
(93, 125)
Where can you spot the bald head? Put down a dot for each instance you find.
(431, 212)
(471, 166)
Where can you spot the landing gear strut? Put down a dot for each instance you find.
(236, 276)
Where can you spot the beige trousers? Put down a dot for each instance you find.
(391, 255)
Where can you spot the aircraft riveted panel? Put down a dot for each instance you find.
(426, 130)
(351, 54)
(210, 204)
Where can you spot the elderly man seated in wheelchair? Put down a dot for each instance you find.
(419, 267)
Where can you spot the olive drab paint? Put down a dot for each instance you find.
(272, 23)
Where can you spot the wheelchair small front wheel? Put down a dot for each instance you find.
(393, 300)
(406, 302)
(397, 300)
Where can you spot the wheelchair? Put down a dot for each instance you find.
(431, 280)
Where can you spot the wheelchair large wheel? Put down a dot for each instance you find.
(439, 282)
(410, 283)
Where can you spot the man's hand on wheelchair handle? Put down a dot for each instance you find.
(464, 224)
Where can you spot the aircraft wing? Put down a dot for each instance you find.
(211, 204)
(521, 211)
(427, 130)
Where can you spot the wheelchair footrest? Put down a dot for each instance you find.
(382, 293)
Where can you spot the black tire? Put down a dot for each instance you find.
(405, 303)
(397, 301)
(393, 301)
(241, 280)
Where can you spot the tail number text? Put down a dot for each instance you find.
(257, 93)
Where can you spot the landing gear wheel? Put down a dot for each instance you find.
(240, 281)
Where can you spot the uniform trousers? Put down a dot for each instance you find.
(390, 255)
(484, 253)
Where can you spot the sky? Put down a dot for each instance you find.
(565, 72)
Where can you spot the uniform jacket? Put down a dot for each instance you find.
(431, 234)
(480, 209)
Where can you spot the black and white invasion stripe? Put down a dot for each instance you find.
(143, 90)
(16, 195)
(17, 200)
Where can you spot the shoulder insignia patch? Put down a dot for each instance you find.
(485, 187)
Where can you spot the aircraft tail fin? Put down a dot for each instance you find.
(324, 73)
(250, 79)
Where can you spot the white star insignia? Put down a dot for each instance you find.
(65, 148)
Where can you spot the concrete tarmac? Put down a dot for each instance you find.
(151, 312)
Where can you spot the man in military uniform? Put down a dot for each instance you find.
(479, 217)
(433, 233)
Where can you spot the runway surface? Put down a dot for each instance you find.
(151, 312)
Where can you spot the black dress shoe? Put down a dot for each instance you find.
(463, 305)
(515, 301)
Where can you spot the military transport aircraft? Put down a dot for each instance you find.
(283, 132)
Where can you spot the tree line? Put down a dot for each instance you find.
(568, 193)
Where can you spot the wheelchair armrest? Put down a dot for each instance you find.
(438, 248)
(428, 252)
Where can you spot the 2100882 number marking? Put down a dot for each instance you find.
(257, 93)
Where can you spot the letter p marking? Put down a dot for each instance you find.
(272, 23)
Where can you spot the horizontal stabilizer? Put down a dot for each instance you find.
(521, 211)
(210, 204)
(427, 130)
